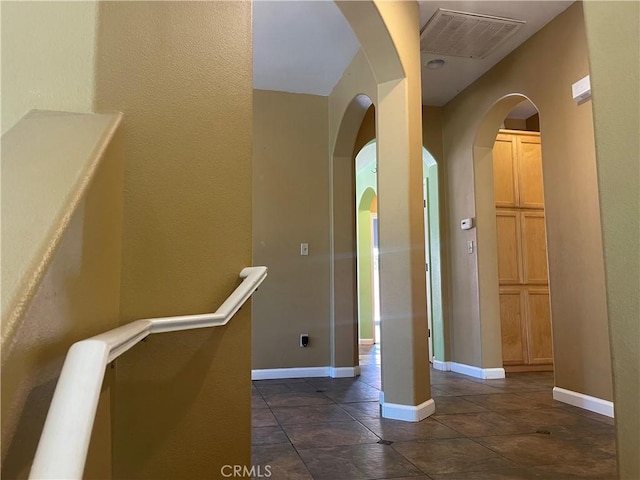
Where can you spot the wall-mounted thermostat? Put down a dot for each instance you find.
(466, 223)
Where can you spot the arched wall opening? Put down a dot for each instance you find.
(366, 201)
(344, 297)
(485, 224)
(392, 56)
(576, 267)
(366, 195)
(511, 222)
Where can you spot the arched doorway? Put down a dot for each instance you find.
(396, 75)
(366, 239)
(366, 202)
(523, 280)
(507, 298)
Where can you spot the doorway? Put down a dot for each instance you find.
(523, 281)
(367, 252)
(366, 248)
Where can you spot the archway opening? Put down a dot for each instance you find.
(366, 223)
(512, 253)
(366, 240)
(523, 279)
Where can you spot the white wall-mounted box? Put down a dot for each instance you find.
(581, 90)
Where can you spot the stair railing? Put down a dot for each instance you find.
(64, 443)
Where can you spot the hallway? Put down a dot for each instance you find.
(323, 428)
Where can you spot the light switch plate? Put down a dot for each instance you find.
(304, 249)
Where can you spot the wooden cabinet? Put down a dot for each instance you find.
(509, 246)
(539, 326)
(517, 170)
(534, 248)
(513, 327)
(525, 313)
(505, 180)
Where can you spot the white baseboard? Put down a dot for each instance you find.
(477, 372)
(275, 373)
(304, 372)
(381, 398)
(366, 341)
(344, 372)
(593, 404)
(443, 366)
(408, 413)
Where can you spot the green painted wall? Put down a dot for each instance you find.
(613, 37)
(366, 189)
(366, 182)
(437, 316)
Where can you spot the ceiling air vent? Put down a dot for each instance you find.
(461, 34)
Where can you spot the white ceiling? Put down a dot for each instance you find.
(440, 86)
(305, 46)
(300, 46)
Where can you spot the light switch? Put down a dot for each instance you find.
(304, 249)
(470, 246)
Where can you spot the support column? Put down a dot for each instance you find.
(405, 362)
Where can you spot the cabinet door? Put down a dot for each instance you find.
(534, 248)
(538, 314)
(529, 159)
(513, 328)
(509, 247)
(505, 184)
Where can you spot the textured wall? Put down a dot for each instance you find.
(181, 72)
(348, 104)
(576, 272)
(612, 34)
(291, 206)
(46, 64)
(77, 297)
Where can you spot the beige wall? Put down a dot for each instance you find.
(405, 367)
(392, 81)
(515, 124)
(78, 297)
(53, 69)
(433, 141)
(367, 131)
(612, 35)
(431, 130)
(576, 273)
(291, 206)
(348, 104)
(181, 72)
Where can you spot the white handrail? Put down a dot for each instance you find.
(62, 451)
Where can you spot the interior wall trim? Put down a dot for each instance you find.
(344, 372)
(477, 372)
(442, 366)
(366, 341)
(587, 402)
(304, 372)
(408, 413)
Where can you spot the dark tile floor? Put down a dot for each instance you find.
(323, 428)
